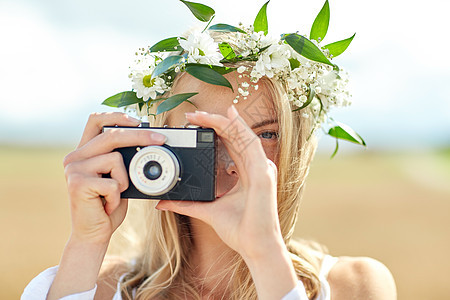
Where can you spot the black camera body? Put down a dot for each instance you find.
(184, 168)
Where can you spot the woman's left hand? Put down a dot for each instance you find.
(245, 218)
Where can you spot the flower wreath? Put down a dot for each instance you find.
(301, 64)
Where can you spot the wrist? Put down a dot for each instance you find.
(270, 250)
(94, 244)
(264, 249)
(272, 271)
(78, 269)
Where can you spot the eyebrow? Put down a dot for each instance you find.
(265, 122)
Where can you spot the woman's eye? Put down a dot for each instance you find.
(269, 135)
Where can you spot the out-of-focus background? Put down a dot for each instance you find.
(60, 59)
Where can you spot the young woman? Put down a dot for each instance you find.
(238, 246)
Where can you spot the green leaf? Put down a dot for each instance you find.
(227, 51)
(202, 12)
(225, 28)
(311, 95)
(208, 75)
(337, 48)
(122, 99)
(173, 102)
(264, 48)
(218, 69)
(306, 48)
(223, 70)
(170, 44)
(294, 63)
(167, 64)
(320, 26)
(344, 132)
(260, 23)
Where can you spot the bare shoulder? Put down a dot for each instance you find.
(112, 268)
(361, 278)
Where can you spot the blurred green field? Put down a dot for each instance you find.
(394, 207)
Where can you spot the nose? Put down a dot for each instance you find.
(230, 168)
(224, 160)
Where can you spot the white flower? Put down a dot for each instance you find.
(241, 69)
(294, 80)
(267, 40)
(252, 42)
(315, 105)
(318, 89)
(141, 76)
(243, 92)
(327, 82)
(142, 63)
(146, 87)
(274, 59)
(202, 48)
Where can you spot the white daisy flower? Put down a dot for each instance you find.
(275, 58)
(146, 87)
(202, 48)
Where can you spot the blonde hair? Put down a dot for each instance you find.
(161, 269)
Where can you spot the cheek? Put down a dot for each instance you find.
(271, 150)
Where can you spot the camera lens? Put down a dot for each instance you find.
(152, 170)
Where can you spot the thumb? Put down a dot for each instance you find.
(195, 209)
(118, 215)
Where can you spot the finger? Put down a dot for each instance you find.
(110, 163)
(96, 122)
(195, 209)
(233, 131)
(112, 139)
(109, 189)
(204, 211)
(274, 169)
(118, 215)
(242, 144)
(90, 190)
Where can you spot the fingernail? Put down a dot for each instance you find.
(157, 137)
(161, 208)
(134, 120)
(234, 109)
(201, 112)
(189, 114)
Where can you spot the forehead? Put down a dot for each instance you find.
(259, 105)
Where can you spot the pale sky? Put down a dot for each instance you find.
(60, 59)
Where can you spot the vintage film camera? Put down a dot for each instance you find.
(184, 168)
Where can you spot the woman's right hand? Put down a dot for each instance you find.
(95, 203)
(96, 207)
